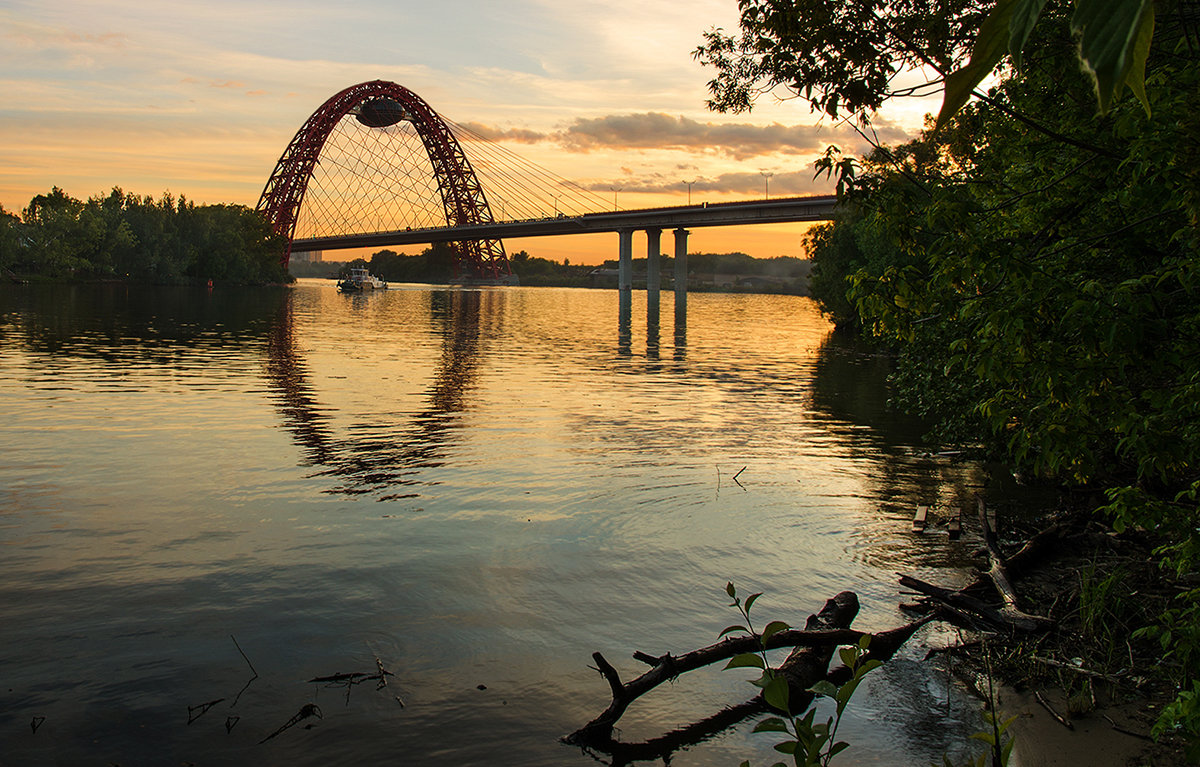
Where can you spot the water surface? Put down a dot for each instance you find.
(478, 488)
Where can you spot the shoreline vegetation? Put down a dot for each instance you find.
(122, 237)
(125, 237)
(1031, 262)
(707, 272)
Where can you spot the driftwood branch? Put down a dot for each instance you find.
(813, 648)
(998, 574)
(806, 665)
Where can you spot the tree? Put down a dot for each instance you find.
(845, 57)
(841, 57)
(165, 240)
(10, 239)
(1034, 264)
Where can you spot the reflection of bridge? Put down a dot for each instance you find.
(382, 455)
(365, 182)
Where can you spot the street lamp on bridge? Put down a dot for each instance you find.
(689, 186)
(614, 190)
(766, 181)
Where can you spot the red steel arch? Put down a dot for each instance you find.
(462, 196)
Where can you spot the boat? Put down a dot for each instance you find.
(360, 280)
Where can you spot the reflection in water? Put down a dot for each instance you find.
(680, 330)
(169, 461)
(850, 384)
(625, 323)
(378, 456)
(652, 323)
(135, 324)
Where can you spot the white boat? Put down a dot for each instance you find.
(361, 280)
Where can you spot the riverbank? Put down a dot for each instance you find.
(15, 278)
(1088, 690)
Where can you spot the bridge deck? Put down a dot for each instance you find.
(772, 211)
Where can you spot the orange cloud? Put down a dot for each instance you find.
(659, 131)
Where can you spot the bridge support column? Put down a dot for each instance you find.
(625, 261)
(653, 255)
(681, 273)
(653, 284)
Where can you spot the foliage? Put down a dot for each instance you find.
(845, 58)
(1114, 44)
(1181, 717)
(10, 238)
(999, 747)
(841, 57)
(810, 743)
(125, 236)
(1044, 293)
(1034, 266)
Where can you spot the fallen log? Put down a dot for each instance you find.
(805, 666)
(822, 633)
(960, 603)
(998, 574)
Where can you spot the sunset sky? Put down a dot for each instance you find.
(200, 99)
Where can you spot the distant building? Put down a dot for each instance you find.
(312, 256)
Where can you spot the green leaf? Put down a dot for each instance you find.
(771, 724)
(731, 629)
(1135, 78)
(990, 47)
(870, 665)
(730, 590)
(776, 694)
(773, 628)
(745, 660)
(1024, 16)
(751, 599)
(824, 687)
(849, 656)
(1109, 32)
(786, 747)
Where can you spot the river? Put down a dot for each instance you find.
(220, 495)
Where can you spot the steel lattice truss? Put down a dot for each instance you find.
(361, 163)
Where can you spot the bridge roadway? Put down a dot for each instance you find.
(767, 211)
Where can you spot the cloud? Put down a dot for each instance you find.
(105, 40)
(658, 131)
(515, 135)
(734, 183)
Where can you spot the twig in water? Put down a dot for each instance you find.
(230, 721)
(245, 687)
(195, 712)
(249, 681)
(355, 677)
(336, 679)
(36, 723)
(735, 477)
(307, 710)
(383, 675)
(239, 649)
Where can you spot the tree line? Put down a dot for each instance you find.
(435, 265)
(125, 236)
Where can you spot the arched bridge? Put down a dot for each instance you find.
(376, 166)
